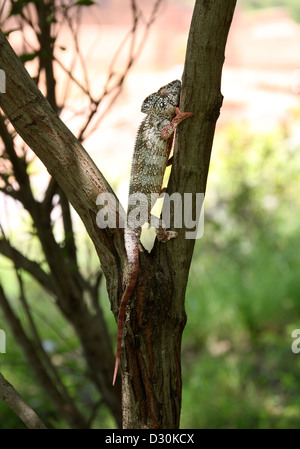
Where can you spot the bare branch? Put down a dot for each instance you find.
(69, 242)
(65, 405)
(15, 401)
(38, 341)
(60, 151)
(18, 164)
(51, 190)
(133, 55)
(69, 72)
(75, 34)
(33, 268)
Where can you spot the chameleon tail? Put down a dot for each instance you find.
(132, 251)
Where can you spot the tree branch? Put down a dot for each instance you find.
(15, 401)
(19, 164)
(63, 402)
(32, 267)
(64, 157)
(82, 182)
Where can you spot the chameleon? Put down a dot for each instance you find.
(150, 158)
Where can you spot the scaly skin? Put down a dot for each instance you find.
(150, 158)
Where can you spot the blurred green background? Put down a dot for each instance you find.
(243, 296)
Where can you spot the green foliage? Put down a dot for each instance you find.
(18, 5)
(84, 3)
(243, 295)
(291, 5)
(28, 57)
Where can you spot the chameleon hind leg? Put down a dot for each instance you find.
(160, 228)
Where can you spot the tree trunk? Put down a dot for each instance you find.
(151, 368)
(150, 362)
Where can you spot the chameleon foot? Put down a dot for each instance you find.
(169, 129)
(181, 116)
(163, 235)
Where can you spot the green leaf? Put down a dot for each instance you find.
(18, 5)
(27, 57)
(84, 3)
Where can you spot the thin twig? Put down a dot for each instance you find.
(133, 55)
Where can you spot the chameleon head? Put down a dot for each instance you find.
(164, 101)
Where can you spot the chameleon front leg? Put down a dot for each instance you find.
(169, 129)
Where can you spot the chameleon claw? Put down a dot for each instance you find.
(172, 234)
(181, 115)
(169, 129)
(164, 236)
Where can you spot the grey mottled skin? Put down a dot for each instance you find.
(150, 158)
